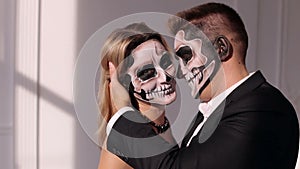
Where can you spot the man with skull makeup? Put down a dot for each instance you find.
(243, 121)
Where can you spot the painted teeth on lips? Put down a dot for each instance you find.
(194, 74)
(159, 89)
(160, 93)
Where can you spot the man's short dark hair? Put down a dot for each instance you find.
(214, 19)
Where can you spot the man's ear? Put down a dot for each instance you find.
(223, 47)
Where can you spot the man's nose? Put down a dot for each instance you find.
(179, 74)
(181, 71)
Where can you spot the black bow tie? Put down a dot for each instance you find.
(199, 118)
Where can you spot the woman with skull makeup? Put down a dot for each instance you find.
(145, 68)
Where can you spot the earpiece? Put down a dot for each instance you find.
(223, 47)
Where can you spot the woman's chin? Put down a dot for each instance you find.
(162, 101)
(168, 99)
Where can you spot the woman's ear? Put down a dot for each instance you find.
(112, 73)
(124, 79)
(112, 69)
(223, 47)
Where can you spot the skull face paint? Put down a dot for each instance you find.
(152, 73)
(197, 68)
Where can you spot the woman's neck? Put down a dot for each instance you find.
(153, 112)
(156, 113)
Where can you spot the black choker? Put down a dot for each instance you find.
(161, 128)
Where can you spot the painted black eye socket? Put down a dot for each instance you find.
(146, 72)
(165, 61)
(185, 53)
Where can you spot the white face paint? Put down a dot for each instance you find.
(152, 73)
(195, 67)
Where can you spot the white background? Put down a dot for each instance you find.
(41, 39)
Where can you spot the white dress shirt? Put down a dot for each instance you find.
(207, 108)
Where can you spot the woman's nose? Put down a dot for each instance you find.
(161, 76)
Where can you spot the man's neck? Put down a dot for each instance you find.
(223, 80)
(234, 73)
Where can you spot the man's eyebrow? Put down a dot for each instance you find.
(160, 50)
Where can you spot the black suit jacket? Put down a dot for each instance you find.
(258, 129)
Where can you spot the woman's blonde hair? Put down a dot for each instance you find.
(117, 47)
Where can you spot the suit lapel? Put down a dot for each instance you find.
(214, 119)
(211, 124)
(196, 121)
(243, 90)
(249, 85)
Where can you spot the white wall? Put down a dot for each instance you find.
(63, 144)
(290, 60)
(7, 13)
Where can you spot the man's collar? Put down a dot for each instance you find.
(208, 107)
